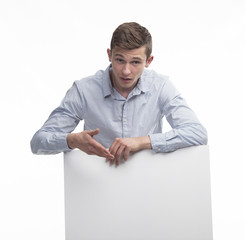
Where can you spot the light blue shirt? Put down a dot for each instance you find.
(94, 100)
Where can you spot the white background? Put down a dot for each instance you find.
(46, 45)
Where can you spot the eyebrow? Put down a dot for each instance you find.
(134, 58)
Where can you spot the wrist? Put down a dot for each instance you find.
(70, 139)
(145, 142)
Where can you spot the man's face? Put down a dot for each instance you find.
(127, 67)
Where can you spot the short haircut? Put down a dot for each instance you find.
(132, 35)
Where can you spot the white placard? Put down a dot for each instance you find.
(163, 196)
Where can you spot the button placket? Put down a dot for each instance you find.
(124, 119)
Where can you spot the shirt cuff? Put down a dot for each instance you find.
(55, 144)
(161, 142)
(158, 142)
(63, 142)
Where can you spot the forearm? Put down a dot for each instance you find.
(49, 143)
(186, 136)
(124, 146)
(143, 143)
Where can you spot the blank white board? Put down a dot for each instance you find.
(153, 196)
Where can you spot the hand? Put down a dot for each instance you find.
(123, 146)
(85, 142)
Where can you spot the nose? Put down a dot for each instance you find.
(126, 69)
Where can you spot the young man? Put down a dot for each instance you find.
(122, 107)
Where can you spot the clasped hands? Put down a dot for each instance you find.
(121, 147)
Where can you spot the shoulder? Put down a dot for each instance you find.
(152, 74)
(93, 85)
(154, 80)
(160, 85)
(91, 81)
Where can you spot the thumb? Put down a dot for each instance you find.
(93, 132)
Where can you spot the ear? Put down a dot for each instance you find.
(109, 53)
(149, 60)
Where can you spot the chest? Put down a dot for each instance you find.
(111, 112)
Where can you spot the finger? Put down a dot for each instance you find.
(109, 157)
(100, 150)
(126, 153)
(112, 146)
(103, 153)
(119, 154)
(115, 145)
(113, 150)
(93, 132)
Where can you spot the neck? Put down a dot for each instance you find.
(123, 92)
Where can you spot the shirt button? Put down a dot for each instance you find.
(124, 120)
(159, 149)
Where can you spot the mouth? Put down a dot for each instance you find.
(125, 79)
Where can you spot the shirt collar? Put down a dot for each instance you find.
(143, 85)
(107, 86)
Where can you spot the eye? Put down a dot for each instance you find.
(136, 62)
(119, 60)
